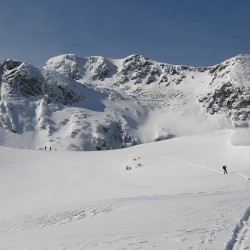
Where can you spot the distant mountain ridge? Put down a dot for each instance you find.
(96, 103)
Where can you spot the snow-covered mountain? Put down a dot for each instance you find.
(95, 103)
(166, 195)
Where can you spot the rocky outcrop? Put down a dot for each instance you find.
(112, 136)
(229, 91)
(24, 79)
(99, 68)
(136, 68)
(230, 99)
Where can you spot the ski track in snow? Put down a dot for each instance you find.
(189, 163)
(50, 219)
(240, 234)
(241, 231)
(200, 166)
(193, 236)
(195, 165)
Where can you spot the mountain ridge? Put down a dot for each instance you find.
(96, 103)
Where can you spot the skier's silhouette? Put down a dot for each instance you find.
(225, 169)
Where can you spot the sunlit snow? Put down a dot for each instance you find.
(163, 195)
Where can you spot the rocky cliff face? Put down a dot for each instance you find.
(230, 90)
(23, 79)
(95, 103)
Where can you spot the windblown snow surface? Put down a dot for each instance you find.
(163, 195)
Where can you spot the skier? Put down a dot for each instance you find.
(45, 148)
(50, 148)
(225, 169)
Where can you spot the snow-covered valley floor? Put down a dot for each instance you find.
(165, 195)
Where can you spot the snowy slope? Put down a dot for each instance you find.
(95, 103)
(174, 196)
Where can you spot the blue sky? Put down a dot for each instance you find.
(190, 32)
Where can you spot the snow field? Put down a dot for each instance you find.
(174, 196)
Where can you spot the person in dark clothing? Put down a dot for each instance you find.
(50, 148)
(45, 147)
(225, 169)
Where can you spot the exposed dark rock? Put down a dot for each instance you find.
(10, 64)
(230, 98)
(112, 134)
(135, 68)
(217, 68)
(24, 79)
(100, 67)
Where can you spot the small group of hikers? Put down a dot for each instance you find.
(45, 148)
